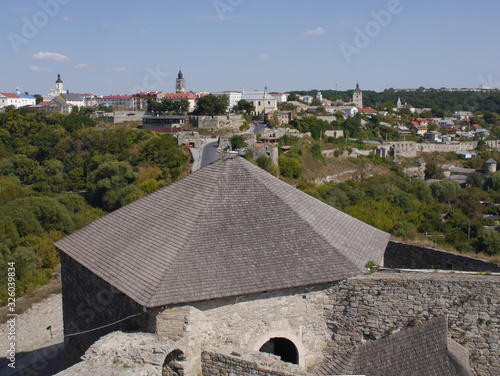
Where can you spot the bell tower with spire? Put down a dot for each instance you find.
(180, 84)
(357, 97)
(59, 85)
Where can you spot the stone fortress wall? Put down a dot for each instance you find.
(410, 149)
(335, 319)
(371, 307)
(321, 321)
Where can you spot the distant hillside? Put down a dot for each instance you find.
(446, 101)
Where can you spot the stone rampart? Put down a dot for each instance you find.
(220, 121)
(373, 306)
(408, 256)
(410, 149)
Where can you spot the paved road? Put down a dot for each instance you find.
(209, 152)
(259, 128)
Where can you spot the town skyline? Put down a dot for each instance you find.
(227, 45)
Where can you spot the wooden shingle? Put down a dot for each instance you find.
(228, 229)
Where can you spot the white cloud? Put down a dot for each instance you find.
(65, 18)
(317, 31)
(142, 32)
(122, 70)
(34, 68)
(49, 56)
(81, 66)
(263, 56)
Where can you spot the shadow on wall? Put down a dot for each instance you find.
(407, 256)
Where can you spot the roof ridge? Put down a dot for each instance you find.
(305, 217)
(300, 215)
(194, 226)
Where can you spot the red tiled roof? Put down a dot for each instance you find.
(10, 95)
(179, 96)
(367, 111)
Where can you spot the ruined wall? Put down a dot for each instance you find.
(248, 322)
(89, 303)
(214, 364)
(372, 306)
(221, 121)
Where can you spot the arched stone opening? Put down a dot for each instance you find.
(283, 348)
(173, 364)
(258, 342)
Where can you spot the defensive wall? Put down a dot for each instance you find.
(410, 149)
(232, 121)
(373, 306)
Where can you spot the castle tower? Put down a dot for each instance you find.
(59, 85)
(399, 104)
(180, 84)
(357, 97)
(490, 166)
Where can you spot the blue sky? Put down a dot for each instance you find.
(117, 47)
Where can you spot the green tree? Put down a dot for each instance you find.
(237, 142)
(107, 178)
(266, 163)
(475, 180)
(244, 106)
(293, 97)
(211, 105)
(488, 242)
(433, 171)
(290, 167)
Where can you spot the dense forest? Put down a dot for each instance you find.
(61, 172)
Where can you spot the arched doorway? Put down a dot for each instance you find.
(173, 364)
(283, 348)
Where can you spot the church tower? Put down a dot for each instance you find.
(59, 85)
(180, 84)
(357, 97)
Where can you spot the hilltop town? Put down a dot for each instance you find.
(253, 232)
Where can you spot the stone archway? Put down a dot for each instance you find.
(283, 340)
(283, 348)
(173, 364)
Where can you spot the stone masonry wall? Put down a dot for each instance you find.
(246, 323)
(89, 303)
(215, 364)
(408, 256)
(410, 148)
(373, 306)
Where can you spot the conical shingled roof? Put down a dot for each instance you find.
(228, 229)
